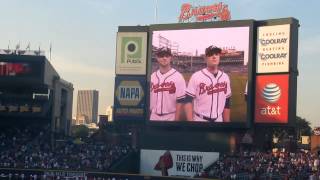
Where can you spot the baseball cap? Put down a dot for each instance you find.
(211, 50)
(164, 51)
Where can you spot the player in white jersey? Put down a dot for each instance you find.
(209, 91)
(167, 89)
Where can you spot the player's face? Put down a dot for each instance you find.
(213, 60)
(164, 61)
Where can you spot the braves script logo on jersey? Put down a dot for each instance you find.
(165, 86)
(211, 89)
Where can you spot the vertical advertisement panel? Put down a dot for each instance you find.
(131, 53)
(175, 163)
(271, 103)
(129, 101)
(273, 49)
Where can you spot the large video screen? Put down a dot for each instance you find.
(200, 75)
(18, 70)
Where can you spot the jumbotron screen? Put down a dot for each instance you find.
(21, 71)
(8, 69)
(200, 75)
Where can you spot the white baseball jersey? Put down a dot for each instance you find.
(165, 90)
(209, 94)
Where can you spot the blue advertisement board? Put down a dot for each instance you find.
(130, 98)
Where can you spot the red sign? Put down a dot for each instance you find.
(14, 69)
(218, 11)
(271, 102)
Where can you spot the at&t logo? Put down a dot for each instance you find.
(271, 93)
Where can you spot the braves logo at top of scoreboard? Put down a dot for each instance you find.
(217, 11)
(165, 86)
(212, 89)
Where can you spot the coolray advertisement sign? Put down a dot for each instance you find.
(175, 163)
(271, 102)
(273, 49)
(129, 101)
(131, 53)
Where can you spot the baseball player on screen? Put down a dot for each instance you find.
(167, 89)
(209, 91)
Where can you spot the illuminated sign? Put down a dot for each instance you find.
(14, 69)
(131, 53)
(273, 49)
(7, 108)
(272, 99)
(175, 163)
(11, 69)
(189, 61)
(129, 98)
(36, 109)
(218, 11)
(129, 93)
(24, 108)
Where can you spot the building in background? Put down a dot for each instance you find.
(87, 106)
(33, 93)
(109, 113)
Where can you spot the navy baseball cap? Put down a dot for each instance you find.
(211, 50)
(164, 51)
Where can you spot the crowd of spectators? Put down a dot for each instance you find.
(266, 165)
(31, 149)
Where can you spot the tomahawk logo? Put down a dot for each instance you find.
(271, 93)
(165, 162)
